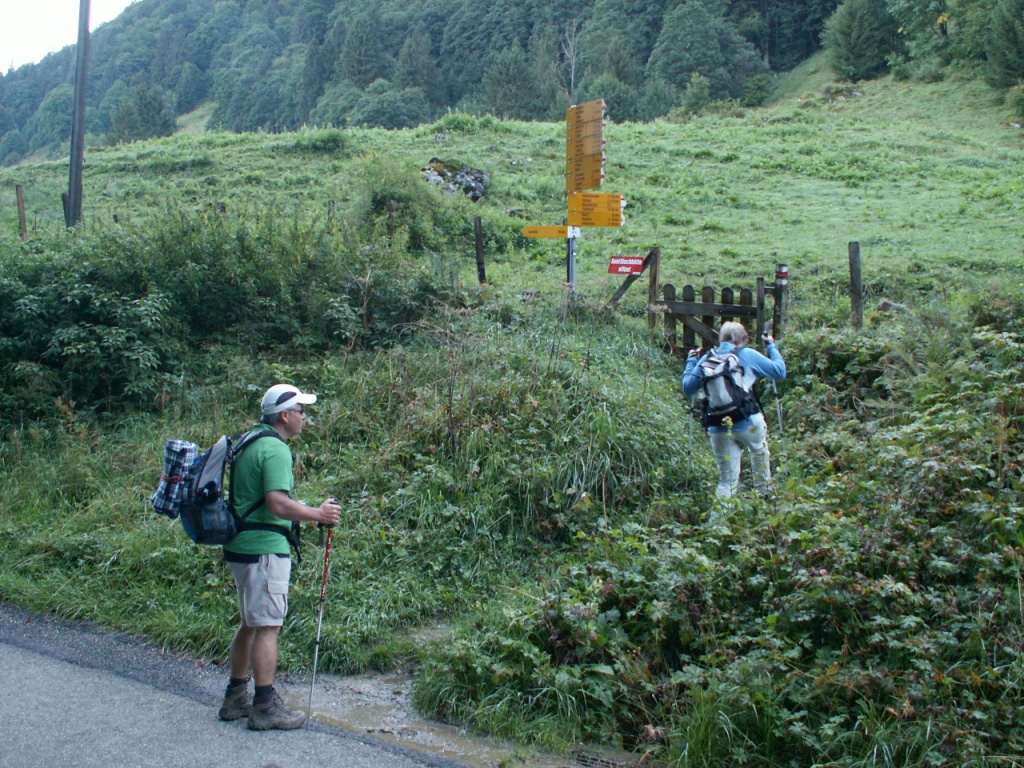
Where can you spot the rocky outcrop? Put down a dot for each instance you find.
(453, 177)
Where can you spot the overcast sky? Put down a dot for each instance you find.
(30, 29)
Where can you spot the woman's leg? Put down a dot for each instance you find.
(728, 455)
(755, 440)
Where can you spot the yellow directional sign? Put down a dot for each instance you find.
(559, 232)
(595, 210)
(584, 144)
(577, 182)
(589, 111)
(597, 219)
(584, 163)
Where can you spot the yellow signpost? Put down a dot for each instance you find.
(584, 169)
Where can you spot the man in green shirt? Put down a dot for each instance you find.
(260, 559)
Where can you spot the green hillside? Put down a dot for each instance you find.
(263, 65)
(521, 477)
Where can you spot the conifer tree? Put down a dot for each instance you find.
(360, 62)
(141, 115)
(508, 89)
(417, 68)
(1006, 44)
(689, 43)
(863, 37)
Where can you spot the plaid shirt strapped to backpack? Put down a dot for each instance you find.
(179, 457)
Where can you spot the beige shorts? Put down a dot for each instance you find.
(263, 590)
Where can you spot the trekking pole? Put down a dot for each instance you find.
(320, 615)
(689, 438)
(778, 411)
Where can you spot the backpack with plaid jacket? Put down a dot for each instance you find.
(192, 488)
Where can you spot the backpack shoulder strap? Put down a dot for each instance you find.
(243, 442)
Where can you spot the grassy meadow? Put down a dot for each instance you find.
(521, 478)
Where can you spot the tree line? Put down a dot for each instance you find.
(275, 66)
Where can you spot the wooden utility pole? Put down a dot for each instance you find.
(856, 287)
(22, 224)
(478, 231)
(73, 210)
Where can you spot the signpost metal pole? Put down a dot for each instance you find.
(570, 262)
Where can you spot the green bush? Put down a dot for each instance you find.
(1015, 101)
(105, 320)
(324, 141)
(757, 90)
(457, 122)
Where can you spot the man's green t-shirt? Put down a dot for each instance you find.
(264, 466)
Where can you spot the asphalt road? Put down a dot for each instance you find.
(77, 696)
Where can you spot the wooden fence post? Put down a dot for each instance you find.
(652, 293)
(707, 296)
(478, 231)
(727, 298)
(856, 287)
(689, 337)
(22, 224)
(670, 319)
(746, 300)
(781, 313)
(759, 317)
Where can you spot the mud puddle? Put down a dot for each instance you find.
(381, 705)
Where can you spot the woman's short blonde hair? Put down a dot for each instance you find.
(734, 333)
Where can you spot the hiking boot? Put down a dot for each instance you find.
(237, 703)
(273, 714)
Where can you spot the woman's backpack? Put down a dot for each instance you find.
(727, 390)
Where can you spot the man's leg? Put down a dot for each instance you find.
(241, 651)
(268, 709)
(237, 701)
(264, 655)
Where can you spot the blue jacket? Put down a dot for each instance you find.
(772, 367)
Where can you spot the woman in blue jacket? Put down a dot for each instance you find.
(728, 442)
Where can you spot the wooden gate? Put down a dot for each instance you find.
(698, 316)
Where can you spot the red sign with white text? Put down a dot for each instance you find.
(626, 265)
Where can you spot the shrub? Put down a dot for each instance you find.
(757, 90)
(457, 122)
(697, 95)
(326, 141)
(1015, 101)
(847, 619)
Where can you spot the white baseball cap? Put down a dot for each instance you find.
(281, 397)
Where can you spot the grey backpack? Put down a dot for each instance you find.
(727, 390)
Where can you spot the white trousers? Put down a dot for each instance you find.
(728, 449)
